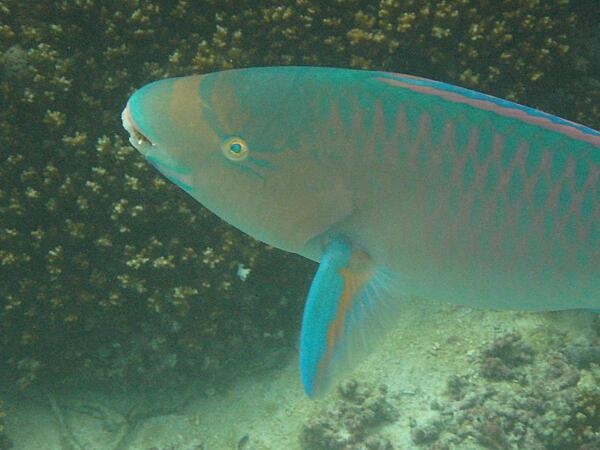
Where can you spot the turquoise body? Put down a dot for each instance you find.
(452, 194)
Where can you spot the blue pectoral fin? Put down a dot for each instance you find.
(351, 305)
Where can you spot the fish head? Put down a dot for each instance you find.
(245, 144)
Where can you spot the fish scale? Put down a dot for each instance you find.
(425, 161)
(484, 160)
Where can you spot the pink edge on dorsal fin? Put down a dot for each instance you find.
(493, 104)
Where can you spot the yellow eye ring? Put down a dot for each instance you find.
(235, 149)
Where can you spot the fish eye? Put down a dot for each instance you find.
(235, 149)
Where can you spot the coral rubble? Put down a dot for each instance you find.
(552, 405)
(351, 421)
(503, 355)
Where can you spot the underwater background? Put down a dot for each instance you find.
(131, 317)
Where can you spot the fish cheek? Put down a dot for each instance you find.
(308, 203)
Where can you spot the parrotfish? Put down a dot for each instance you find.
(397, 185)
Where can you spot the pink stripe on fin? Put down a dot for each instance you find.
(493, 104)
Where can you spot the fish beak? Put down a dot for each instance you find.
(136, 138)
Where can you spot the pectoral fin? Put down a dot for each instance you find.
(351, 303)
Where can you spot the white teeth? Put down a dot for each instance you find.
(137, 139)
(125, 119)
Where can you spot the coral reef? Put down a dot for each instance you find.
(109, 272)
(351, 421)
(553, 404)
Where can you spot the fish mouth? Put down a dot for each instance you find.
(136, 137)
(157, 155)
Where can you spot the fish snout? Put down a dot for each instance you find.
(136, 137)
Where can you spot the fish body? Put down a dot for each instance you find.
(396, 184)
